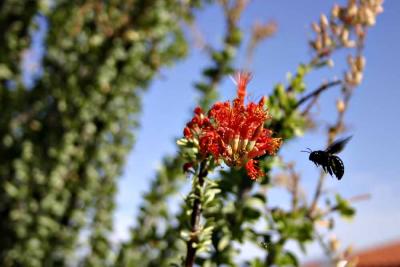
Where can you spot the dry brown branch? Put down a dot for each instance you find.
(259, 33)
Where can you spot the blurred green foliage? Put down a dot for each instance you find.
(64, 141)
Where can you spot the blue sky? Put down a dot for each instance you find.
(371, 158)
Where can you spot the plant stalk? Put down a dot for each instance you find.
(195, 217)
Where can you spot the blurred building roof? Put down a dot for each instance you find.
(387, 255)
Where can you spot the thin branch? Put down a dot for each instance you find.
(259, 33)
(317, 193)
(198, 37)
(195, 217)
(295, 187)
(318, 91)
(324, 246)
(309, 106)
(354, 199)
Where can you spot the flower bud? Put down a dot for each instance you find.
(358, 76)
(334, 29)
(348, 78)
(348, 251)
(340, 105)
(344, 36)
(350, 44)
(324, 21)
(316, 27)
(334, 244)
(352, 10)
(318, 44)
(379, 8)
(330, 63)
(360, 63)
(359, 31)
(327, 41)
(323, 223)
(335, 11)
(369, 17)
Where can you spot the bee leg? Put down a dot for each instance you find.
(329, 170)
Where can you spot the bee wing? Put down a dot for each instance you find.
(338, 145)
(337, 166)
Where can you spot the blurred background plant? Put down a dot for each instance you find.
(64, 138)
(68, 122)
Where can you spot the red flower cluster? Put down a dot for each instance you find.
(234, 132)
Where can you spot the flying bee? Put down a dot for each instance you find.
(330, 163)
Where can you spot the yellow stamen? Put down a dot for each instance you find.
(243, 144)
(235, 144)
(250, 146)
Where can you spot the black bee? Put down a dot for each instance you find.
(330, 163)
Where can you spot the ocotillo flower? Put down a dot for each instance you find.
(234, 131)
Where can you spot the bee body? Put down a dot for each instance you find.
(330, 163)
(319, 157)
(327, 159)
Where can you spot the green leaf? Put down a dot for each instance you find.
(344, 208)
(224, 242)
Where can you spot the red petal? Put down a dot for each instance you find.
(242, 78)
(253, 170)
